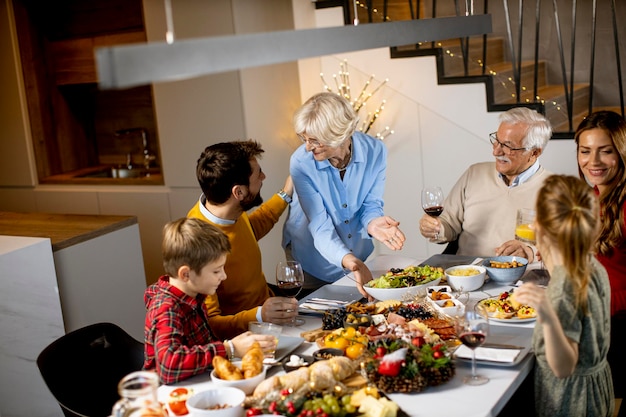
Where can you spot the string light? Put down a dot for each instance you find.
(342, 87)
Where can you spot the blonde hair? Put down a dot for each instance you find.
(191, 242)
(327, 117)
(567, 215)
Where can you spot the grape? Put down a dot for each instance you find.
(333, 319)
(413, 311)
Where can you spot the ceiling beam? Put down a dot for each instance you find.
(127, 66)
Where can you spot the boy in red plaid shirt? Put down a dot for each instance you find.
(178, 340)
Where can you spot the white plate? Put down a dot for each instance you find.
(513, 320)
(286, 345)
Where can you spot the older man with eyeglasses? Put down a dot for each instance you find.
(480, 210)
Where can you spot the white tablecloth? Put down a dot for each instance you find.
(451, 399)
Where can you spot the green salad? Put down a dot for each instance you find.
(407, 277)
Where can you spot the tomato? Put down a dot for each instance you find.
(438, 354)
(336, 341)
(178, 401)
(251, 412)
(364, 340)
(380, 352)
(349, 333)
(355, 350)
(418, 341)
(389, 368)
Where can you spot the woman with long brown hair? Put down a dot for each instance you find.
(601, 151)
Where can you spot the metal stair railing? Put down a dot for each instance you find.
(535, 31)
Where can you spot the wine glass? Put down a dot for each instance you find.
(432, 201)
(289, 279)
(472, 329)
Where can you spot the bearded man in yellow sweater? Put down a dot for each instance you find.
(231, 178)
(481, 208)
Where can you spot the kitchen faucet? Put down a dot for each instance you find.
(148, 156)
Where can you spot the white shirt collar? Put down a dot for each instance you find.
(524, 176)
(210, 216)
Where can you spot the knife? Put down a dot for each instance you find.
(502, 346)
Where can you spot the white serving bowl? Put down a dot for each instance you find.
(457, 309)
(399, 294)
(460, 282)
(246, 385)
(505, 275)
(199, 403)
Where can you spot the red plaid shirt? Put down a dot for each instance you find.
(178, 340)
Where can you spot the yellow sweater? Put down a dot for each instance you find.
(245, 289)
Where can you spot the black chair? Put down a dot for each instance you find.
(82, 368)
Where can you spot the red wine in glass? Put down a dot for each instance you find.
(434, 211)
(472, 329)
(289, 289)
(432, 201)
(472, 339)
(289, 279)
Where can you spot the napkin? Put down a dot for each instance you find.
(488, 354)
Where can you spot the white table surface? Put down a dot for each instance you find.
(451, 399)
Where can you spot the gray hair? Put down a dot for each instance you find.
(327, 117)
(539, 130)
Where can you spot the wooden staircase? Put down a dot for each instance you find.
(498, 76)
(490, 65)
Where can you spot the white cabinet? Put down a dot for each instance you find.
(31, 319)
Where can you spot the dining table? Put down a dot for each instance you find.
(453, 398)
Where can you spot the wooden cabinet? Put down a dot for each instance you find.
(73, 123)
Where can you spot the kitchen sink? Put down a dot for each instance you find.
(117, 172)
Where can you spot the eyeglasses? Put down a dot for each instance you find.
(314, 143)
(493, 138)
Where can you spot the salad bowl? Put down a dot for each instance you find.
(398, 284)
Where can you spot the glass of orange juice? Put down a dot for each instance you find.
(524, 229)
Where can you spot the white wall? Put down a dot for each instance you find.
(439, 129)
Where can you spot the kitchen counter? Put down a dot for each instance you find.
(98, 263)
(63, 230)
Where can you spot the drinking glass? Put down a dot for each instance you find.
(432, 201)
(524, 230)
(472, 329)
(289, 279)
(272, 329)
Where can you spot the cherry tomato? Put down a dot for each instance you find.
(418, 341)
(336, 341)
(364, 340)
(349, 333)
(355, 350)
(251, 412)
(438, 354)
(178, 401)
(380, 352)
